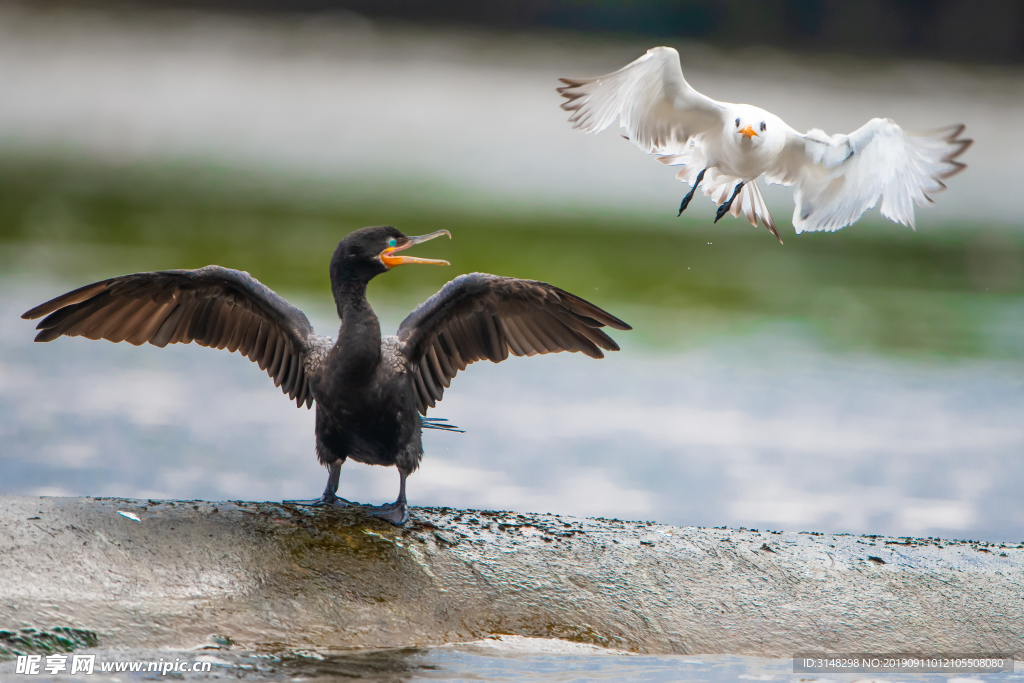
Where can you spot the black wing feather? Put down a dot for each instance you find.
(212, 306)
(479, 316)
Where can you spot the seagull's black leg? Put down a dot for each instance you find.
(330, 495)
(689, 195)
(398, 512)
(728, 205)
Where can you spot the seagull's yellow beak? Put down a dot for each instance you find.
(389, 259)
(748, 132)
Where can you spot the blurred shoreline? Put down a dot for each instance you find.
(952, 291)
(336, 106)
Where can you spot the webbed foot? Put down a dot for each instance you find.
(689, 195)
(397, 513)
(724, 208)
(686, 202)
(326, 500)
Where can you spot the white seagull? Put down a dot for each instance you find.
(728, 146)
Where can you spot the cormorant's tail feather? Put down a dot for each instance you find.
(439, 423)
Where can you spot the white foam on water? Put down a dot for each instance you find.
(512, 644)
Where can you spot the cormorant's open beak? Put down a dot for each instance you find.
(390, 260)
(748, 132)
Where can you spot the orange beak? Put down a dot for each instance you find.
(389, 259)
(748, 132)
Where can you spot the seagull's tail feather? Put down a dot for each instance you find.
(748, 202)
(753, 207)
(439, 423)
(717, 186)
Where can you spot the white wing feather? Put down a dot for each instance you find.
(651, 99)
(837, 178)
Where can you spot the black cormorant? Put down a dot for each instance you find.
(370, 392)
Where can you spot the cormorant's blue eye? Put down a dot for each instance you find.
(392, 242)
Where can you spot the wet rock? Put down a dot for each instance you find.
(267, 576)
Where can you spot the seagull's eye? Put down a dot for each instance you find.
(763, 126)
(392, 242)
(737, 123)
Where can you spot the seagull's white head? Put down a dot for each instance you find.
(754, 128)
(750, 122)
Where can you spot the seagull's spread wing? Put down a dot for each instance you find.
(211, 306)
(837, 178)
(479, 316)
(651, 99)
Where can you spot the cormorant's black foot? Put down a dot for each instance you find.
(397, 513)
(326, 500)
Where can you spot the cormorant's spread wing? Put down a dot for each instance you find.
(651, 99)
(837, 178)
(480, 316)
(212, 306)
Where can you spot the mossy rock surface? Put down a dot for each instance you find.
(270, 577)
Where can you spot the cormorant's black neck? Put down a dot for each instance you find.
(359, 338)
(349, 295)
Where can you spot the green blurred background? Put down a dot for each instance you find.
(953, 290)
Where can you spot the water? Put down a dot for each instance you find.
(502, 658)
(761, 430)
